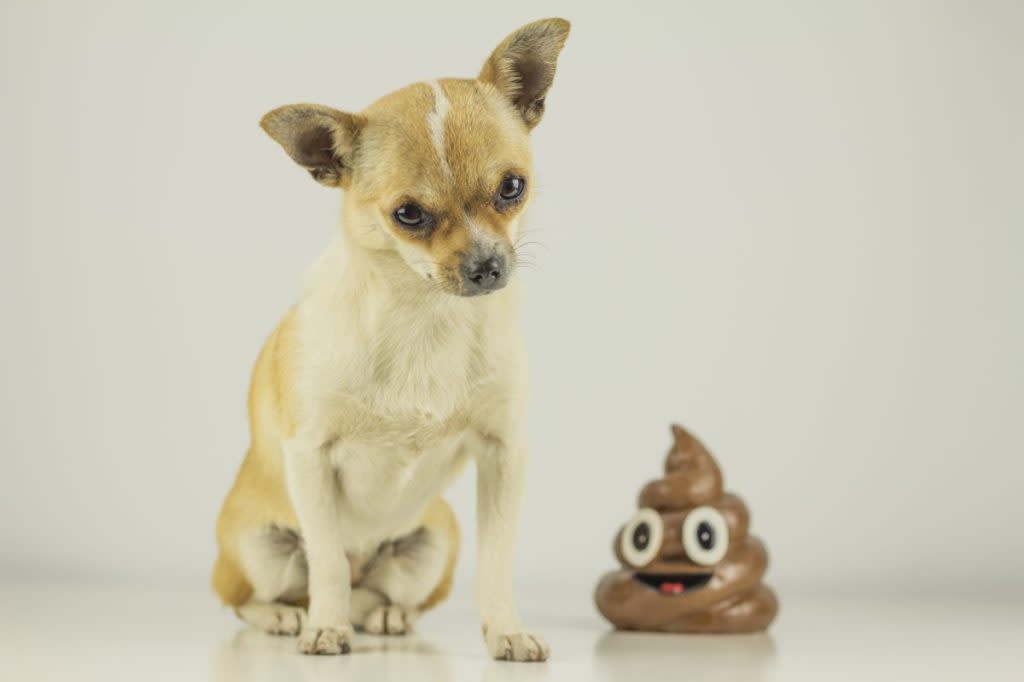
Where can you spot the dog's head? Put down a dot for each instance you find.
(440, 171)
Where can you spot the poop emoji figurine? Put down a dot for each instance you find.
(688, 563)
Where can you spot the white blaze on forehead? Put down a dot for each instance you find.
(436, 121)
(482, 238)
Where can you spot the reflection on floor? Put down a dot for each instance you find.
(118, 633)
(254, 657)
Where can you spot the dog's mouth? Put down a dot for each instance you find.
(674, 583)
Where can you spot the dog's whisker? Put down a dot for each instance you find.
(524, 245)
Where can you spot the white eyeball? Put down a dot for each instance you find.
(641, 538)
(705, 536)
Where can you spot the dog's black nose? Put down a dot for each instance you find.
(486, 271)
(484, 275)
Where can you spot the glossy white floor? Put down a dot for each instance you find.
(117, 633)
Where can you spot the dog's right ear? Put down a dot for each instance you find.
(320, 139)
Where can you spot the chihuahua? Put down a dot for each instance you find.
(401, 362)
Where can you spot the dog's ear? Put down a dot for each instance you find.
(320, 139)
(522, 67)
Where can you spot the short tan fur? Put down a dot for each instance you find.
(401, 362)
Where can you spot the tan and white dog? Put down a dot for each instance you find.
(393, 370)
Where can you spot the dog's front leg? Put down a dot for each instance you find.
(499, 489)
(314, 493)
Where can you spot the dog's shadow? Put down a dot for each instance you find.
(254, 656)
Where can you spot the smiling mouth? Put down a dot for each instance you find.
(674, 583)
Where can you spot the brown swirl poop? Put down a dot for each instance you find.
(688, 563)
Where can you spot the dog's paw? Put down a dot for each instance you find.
(273, 618)
(516, 646)
(326, 641)
(287, 621)
(390, 620)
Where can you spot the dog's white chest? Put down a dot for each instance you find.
(384, 488)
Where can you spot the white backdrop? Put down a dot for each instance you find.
(795, 227)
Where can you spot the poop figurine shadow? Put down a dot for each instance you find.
(688, 562)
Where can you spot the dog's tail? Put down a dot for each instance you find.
(229, 583)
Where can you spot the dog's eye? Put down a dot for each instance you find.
(705, 536)
(640, 540)
(511, 188)
(411, 215)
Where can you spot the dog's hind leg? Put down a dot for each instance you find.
(412, 573)
(364, 602)
(273, 618)
(275, 564)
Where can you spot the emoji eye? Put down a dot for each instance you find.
(705, 536)
(511, 188)
(641, 538)
(411, 215)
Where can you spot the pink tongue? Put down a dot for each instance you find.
(671, 588)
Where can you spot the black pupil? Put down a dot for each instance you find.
(641, 536)
(510, 187)
(706, 535)
(409, 213)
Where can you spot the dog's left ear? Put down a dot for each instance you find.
(522, 67)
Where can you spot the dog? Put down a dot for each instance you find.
(401, 362)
